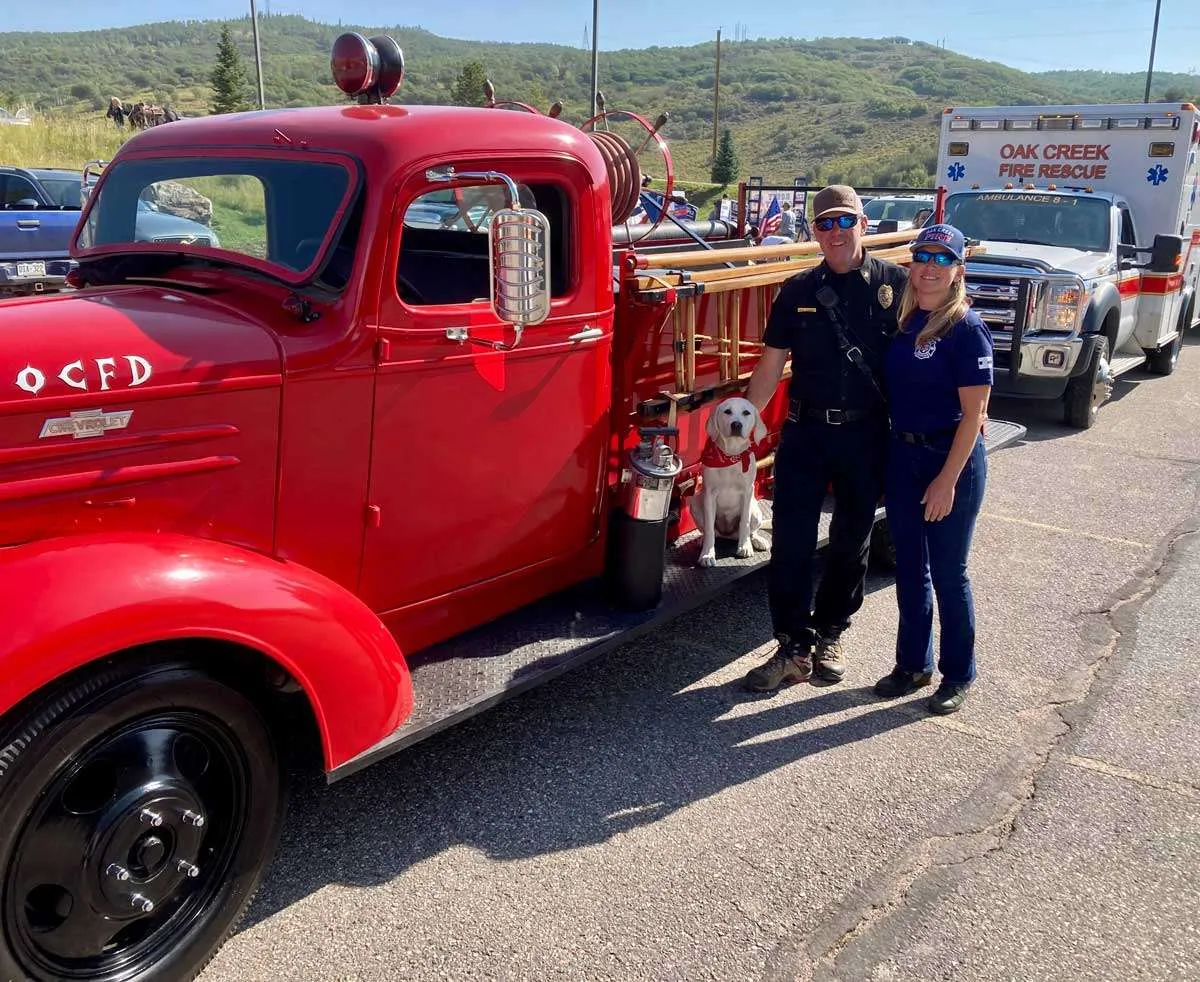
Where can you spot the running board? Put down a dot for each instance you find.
(1120, 364)
(467, 674)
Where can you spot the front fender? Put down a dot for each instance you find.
(1104, 299)
(71, 601)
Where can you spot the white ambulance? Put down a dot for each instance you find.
(1088, 221)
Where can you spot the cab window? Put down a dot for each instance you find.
(1128, 236)
(444, 242)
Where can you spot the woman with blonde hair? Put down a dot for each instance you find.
(939, 376)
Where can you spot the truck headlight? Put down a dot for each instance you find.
(1060, 306)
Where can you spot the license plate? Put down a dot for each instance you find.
(31, 269)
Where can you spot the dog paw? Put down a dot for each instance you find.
(759, 543)
(708, 558)
(744, 550)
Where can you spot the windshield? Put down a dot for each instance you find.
(1040, 219)
(276, 211)
(64, 192)
(902, 209)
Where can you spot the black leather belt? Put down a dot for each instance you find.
(934, 438)
(797, 410)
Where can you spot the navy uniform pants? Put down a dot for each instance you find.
(813, 457)
(931, 558)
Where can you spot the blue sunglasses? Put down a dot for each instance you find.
(841, 221)
(938, 258)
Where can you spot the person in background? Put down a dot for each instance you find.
(834, 321)
(939, 376)
(787, 222)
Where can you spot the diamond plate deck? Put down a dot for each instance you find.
(469, 673)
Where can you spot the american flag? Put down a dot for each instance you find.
(770, 220)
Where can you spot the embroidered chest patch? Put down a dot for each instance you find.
(925, 349)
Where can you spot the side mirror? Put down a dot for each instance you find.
(922, 217)
(1166, 254)
(887, 225)
(27, 204)
(519, 246)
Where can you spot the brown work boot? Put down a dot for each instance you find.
(829, 663)
(792, 662)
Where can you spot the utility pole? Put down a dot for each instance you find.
(716, 95)
(1153, 42)
(595, 53)
(262, 102)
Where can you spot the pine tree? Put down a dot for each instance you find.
(468, 87)
(725, 167)
(228, 78)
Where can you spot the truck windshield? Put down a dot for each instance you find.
(1040, 219)
(274, 210)
(901, 209)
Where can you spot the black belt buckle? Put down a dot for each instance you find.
(835, 417)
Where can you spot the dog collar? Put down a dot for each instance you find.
(714, 456)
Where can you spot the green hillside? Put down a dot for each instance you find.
(847, 108)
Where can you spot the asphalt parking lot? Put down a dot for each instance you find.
(643, 819)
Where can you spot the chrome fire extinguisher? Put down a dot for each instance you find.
(638, 534)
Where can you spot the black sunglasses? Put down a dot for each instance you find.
(938, 258)
(841, 221)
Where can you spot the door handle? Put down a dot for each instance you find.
(28, 223)
(587, 334)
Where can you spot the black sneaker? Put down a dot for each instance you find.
(948, 699)
(901, 682)
(792, 662)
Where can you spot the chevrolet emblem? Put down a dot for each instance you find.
(85, 423)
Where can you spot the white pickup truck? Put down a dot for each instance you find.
(1089, 231)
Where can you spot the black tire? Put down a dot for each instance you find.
(1164, 360)
(153, 784)
(883, 548)
(1085, 393)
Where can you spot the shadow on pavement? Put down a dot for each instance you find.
(619, 743)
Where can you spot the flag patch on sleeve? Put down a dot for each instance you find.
(985, 362)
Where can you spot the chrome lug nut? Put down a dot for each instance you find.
(144, 904)
(193, 818)
(117, 872)
(151, 818)
(187, 869)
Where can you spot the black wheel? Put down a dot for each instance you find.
(1164, 360)
(883, 548)
(138, 812)
(1086, 393)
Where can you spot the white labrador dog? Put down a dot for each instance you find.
(725, 505)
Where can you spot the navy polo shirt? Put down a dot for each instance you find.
(923, 380)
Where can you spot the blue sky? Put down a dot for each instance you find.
(1112, 35)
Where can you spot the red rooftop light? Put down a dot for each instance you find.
(371, 69)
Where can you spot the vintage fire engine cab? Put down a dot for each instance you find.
(274, 478)
(1090, 240)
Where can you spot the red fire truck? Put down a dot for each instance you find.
(412, 438)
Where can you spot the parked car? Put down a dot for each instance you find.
(39, 209)
(904, 210)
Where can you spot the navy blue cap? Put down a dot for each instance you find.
(946, 236)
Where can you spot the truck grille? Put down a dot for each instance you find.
(1002, 302)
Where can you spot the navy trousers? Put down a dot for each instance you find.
(812, 457)
(931, 558)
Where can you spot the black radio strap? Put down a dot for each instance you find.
(827, 297)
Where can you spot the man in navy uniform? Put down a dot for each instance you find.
(834, 321)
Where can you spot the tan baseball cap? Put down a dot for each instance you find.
(837, 199)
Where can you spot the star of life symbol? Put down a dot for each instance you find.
(956, 172)
(1157, 174)
(86, 423)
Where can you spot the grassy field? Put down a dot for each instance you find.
(59, 142)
